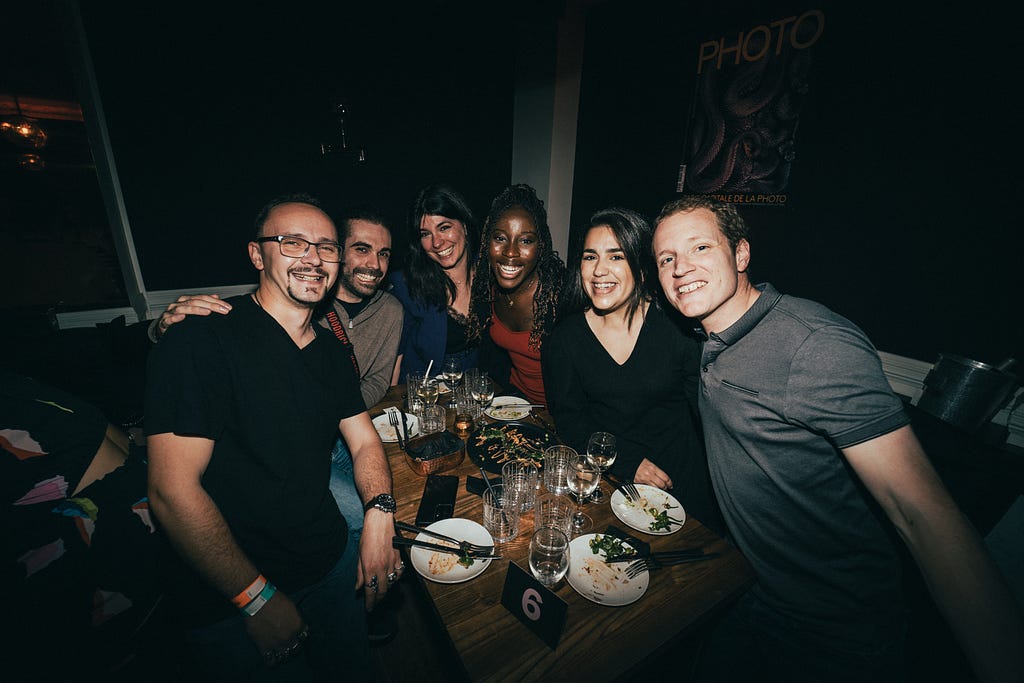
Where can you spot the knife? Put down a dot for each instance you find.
(405, 428)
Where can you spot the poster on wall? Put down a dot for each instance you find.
(741, 137)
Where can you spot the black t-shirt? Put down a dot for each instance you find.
(273, 410)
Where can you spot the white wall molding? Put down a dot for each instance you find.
(155, 304)
(157, 301)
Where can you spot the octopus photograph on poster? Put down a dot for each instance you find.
(740, 143)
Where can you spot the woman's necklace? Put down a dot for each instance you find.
(511, 297)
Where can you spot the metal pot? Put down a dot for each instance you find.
(965, 392)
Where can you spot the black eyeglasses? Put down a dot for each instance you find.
(296, 247)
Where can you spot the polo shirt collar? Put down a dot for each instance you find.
(749, 320)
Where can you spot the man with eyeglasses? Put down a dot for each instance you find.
(240, 410)
(370, 320)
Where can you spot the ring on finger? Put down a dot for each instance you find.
(392, 577)
(400, 566)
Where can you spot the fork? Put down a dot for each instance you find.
(393, 420)
(399, 541)
(649, 563)
(630, 491)
(464, 546)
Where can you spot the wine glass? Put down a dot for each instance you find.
(549, 555)
(584, 476)
(483, 390)
(601, 447)
(427, 391)
(451, 370)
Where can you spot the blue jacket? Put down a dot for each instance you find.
(425, 335)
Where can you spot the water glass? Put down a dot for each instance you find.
(432, 419)
(501, 513)
(470, 376)
(549, 555)
(556, 468)
(554, 511)
(465, 404)
(525, 479)
(413, 380)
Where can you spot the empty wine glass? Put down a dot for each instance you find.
(584, 476)
(602, 449)
(549, 555)
(451, 370)
(483, 390)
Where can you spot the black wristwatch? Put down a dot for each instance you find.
(384, 502)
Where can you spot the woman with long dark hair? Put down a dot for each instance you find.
(618, 363)
(436, 286)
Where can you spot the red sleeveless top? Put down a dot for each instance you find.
(526, 373)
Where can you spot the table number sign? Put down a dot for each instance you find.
(538, 607)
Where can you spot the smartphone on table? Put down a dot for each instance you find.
(438, 501)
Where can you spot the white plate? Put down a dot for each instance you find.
(605, 584)
(446, 567)
(387, 432)
(504, 408)
(442, 386)
(638, 516)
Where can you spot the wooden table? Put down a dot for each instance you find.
(597, 642)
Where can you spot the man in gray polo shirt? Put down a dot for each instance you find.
(813, 462)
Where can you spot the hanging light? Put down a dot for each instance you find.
(31, 162)
(22, 130)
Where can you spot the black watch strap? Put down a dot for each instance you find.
(384, 502)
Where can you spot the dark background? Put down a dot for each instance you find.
(903, 204)
(219, 110)
(902, 209)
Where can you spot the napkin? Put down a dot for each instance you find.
(636, 543)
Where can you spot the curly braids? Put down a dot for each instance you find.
(550, 268)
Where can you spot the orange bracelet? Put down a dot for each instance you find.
(250, 593)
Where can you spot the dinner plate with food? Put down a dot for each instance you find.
(491, 446)
(657, 512)
(387, 432)
(506, 408)
(598, 581)
(442, 567)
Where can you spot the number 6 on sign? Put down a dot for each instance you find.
(524, 596)
(531, 604)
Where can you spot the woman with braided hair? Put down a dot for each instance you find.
(516, 289)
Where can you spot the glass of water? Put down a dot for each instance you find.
(549, 555)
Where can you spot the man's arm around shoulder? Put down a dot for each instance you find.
(961, 575)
